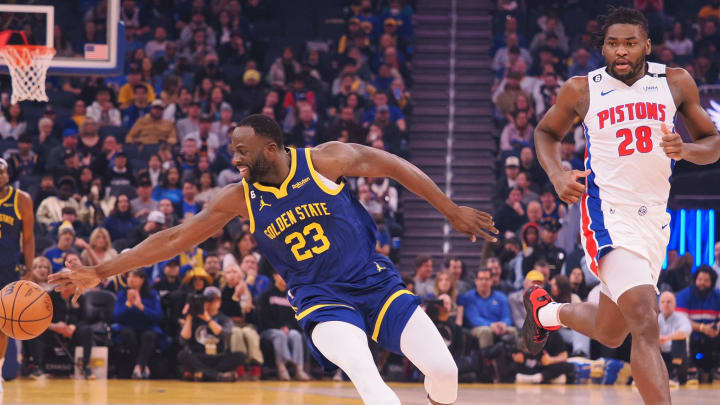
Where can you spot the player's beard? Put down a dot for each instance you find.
(258, 170)
(635, 68)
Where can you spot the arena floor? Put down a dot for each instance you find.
(256, 393)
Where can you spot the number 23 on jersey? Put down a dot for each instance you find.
(298, 243)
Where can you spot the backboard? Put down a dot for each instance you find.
(88, 36)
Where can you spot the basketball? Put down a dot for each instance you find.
(25, 310)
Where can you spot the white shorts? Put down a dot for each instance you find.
(644, 231)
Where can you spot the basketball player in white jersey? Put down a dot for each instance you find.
(628, 109)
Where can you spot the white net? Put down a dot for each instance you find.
(28, 66)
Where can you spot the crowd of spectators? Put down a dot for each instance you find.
(142, 152)
(111, 161)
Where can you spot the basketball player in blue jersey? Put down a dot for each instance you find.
(321, 241)
(16, 218)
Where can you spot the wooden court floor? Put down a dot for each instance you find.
(65, 391)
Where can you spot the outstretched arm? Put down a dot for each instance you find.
(705, 148)
(335, 159)
(228, 204)
(550, 132)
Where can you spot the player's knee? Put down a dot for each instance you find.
(445, 372)
(642, 322)
(615, 340)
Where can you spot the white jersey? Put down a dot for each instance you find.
(629, 184)
(622, 130)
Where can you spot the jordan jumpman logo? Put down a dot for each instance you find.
(263, 204)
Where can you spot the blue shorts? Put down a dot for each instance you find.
(380, 305)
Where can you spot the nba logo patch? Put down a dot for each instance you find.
(597, 78)
(642, 211)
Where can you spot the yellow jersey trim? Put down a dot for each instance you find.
(16, 206)
(282, 191)
(318, 181)
(7, 197)
(249, 207)
(384, 309)
(313, 308)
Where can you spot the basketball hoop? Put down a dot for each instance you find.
(28, 65)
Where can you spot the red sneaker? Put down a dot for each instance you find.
(255, 372)
(533, 333)
(241, 371)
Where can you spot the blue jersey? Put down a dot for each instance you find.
(321, 240)
(311, 229)
(10, 229)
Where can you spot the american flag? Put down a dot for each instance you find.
(96, 51)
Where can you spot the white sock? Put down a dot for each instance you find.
(528, 378)
(548, 315)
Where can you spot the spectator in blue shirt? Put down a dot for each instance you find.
(257, 283)
(139, 108)
(582, 63)
(138, 315)
(381, 103)
(701, 303)
(121, 221)
(57, 253)
(169, 187)
(487, 312)
(188, 204)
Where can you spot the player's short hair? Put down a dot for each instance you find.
(264, 126)
(622, 15)
(140, 86)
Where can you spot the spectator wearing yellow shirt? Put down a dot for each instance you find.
(151, 128)
(127, 92)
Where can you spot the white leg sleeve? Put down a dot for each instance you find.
(422, 344)
(346, 346)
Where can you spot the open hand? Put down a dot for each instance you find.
(672, 143)
(567, 187)
(473, 223)
(76, 278)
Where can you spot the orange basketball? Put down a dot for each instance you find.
(25, 310)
